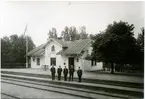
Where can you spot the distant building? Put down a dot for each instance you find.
(64, 53)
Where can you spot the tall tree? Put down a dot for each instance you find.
(70, 33)
(52, 33)
(5, 49)
(92, 36)
(140, 39)
(13, 49)
(65, 34)
(83, 33)
(116, 44)
(73, 33)
(140, 42)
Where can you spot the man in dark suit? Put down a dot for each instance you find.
(59, 70)
(79, 72)
(65, 72)
(53, 72)
(71, 73)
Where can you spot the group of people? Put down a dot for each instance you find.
(65, 73)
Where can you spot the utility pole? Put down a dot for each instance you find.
(26, 46)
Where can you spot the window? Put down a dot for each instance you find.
(77, 60)
(52, 48)
(38, 61)
(53, 61)
(93, 62)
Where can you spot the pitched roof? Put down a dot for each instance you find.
(38, 51)
(75, 47)
(72, 47)
(61, 42)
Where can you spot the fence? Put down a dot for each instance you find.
(123, 67)
(13, 65)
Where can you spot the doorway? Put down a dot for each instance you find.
(71, 62)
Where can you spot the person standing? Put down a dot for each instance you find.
(65, 72)
(59, 70)
(79, 72)
(52, 72)
(71, 73)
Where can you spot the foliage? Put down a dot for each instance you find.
(52, 33)
(83, 34)
(116, 44)
(65, 34)
(140, 42)
(71, 33)
(91, 36)
(13, 49)
(140, 39)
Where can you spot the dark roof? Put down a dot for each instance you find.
(38, 51)
(75, 47)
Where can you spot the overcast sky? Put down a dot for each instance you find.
(42, 16)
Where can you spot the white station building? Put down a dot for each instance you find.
(64, 53)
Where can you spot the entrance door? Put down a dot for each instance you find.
(71, 61)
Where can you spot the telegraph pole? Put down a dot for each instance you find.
(26, 46)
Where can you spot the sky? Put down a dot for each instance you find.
(40, 16)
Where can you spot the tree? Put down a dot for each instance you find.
(91, 36)
(5, 47)
(13, 49)
(73, 33)
(140, 42)
(65, 34)
(83, 34)
(52, 33)
(70, 33)
(97, 44)
(116, 44)
(140, 39)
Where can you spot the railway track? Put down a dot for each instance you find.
(8, 96)
(76, 92)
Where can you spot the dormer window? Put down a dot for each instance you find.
(53, 48)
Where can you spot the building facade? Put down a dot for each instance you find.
(64, 53)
